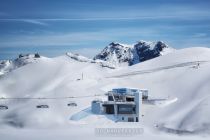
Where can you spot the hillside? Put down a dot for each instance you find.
(183, 74)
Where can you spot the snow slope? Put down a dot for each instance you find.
(176, 75)
(187, 82)
(7, 66)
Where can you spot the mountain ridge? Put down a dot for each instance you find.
(118, 53)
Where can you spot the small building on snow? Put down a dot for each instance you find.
(124, 103)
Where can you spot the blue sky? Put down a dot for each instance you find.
(53, 27)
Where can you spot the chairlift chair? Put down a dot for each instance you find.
(3, 104)
(42, 106)
(72, 104)
(4, 107)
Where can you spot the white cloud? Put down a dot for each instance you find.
(69, 39)
(136, 13)
(160, 12)
(199, 35)
(33, 21)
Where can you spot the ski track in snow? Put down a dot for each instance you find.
(193, 63)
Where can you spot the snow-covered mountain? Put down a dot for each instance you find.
(122, 54)
(81, 58)
(9, 65)
(78, 57)
(182, 74)
(112, 56)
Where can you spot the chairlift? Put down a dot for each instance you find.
(42, 106)
(72, 104)
(3, 104)
(4, 107)
(195, 66)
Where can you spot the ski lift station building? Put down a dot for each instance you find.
(124, 103)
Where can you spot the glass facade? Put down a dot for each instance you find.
(126, 109)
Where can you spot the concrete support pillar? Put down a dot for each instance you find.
(138, 102)
(115, 109)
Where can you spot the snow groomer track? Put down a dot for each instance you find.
(194, 64)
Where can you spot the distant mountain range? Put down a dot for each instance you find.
(121, 54)
(9, 65)
(112, 56)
